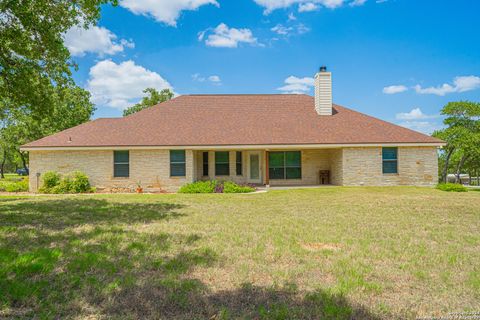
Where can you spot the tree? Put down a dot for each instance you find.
(153, 98)
(33, 57)
(71, 107)
(462, 135)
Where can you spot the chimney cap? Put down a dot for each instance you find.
(323, 69)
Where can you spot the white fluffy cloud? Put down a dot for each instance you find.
(223, 36)
(295, 85)
(282, 30)
(418, 121)
(166, 11)
(394, 89)
(214, 79)
(305, 5)
(426, 127)
(96, 39)
(356, 3)
(120, 85)
(414, 114)
(460, 84)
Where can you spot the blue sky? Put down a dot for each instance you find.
(398, 60)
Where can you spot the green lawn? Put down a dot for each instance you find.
(334, 253)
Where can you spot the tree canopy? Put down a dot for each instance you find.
(38, 96)
(71, 106)
(462, 135)
(153, 98)
(33, 57)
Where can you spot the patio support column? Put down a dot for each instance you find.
(190, 166)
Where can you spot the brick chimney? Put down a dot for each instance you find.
(323, 92)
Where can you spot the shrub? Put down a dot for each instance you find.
(74, 182)
(231, 187)
(451, 187)
(79, 182)
(64, 186)
(215, 187)
(14, 186)
(199, 187)
(50, 179)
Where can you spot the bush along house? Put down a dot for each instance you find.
(264, 139)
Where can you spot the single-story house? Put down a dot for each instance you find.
(265, 139)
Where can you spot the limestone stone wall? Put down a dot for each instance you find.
(149, 167)
(348, 166)
(417, 166)
(336, 167)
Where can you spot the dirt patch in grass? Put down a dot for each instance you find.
(321, 246)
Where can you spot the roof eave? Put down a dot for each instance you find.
(238, 146)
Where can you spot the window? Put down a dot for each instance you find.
(222, 163)
(285, 165)
(205, 164)
(121, 164)
(239, 163)
(177, 163)
(390, 160)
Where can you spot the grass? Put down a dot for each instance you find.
(332, 253)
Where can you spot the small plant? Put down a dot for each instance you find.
(139, 187)
(451, 187)
(219, 188)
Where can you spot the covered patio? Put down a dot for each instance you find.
(273, 167)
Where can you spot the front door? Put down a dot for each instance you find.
(254, 169)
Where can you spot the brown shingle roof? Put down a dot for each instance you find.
(194, 120)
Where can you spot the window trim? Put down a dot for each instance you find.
(223, 163)
(239, 155)
(184, 162)
(285, 166)
(390, 161)
(121, 163)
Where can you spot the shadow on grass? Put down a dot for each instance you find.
(191, 299)
(81, 258)
(58, 214)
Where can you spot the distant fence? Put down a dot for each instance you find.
(464, 179)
